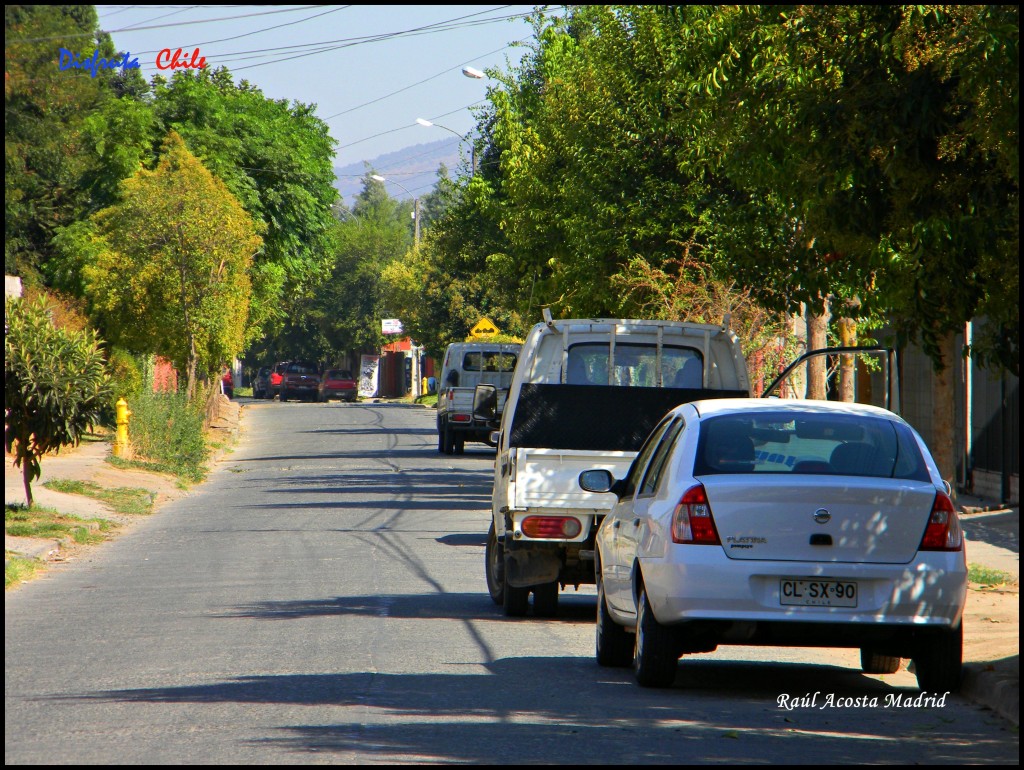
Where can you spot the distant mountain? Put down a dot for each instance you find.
(414, 167)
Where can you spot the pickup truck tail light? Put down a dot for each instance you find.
(943, 532)
(692, 522)
(559, 527)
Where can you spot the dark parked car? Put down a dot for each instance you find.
(261, 383)
(301, 379)
(337, 383)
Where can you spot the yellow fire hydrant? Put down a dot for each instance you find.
(121, 441)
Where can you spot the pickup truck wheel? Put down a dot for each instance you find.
(515, 600)
(494, 563)
(614, 646)
(939, 662)
(654, 659)
(459, 444)
(449, 439)
(545, 600)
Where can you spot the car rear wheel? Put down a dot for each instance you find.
(939, 662)
(494, 563)
(545, 600)
(459, 444)
(654, 658)
(449, 439)
(614, 646)
(872, 662)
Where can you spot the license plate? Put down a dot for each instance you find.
(811, 592)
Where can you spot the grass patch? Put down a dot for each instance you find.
(129, 500)
(246, 392)
(186, 475)
(18, 569)
(428, 400)
(987, 577)
(21, 521)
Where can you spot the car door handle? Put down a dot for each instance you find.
(615, 525)
(636, 522)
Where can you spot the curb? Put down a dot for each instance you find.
(995, 686)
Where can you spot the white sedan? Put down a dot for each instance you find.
(780, 523)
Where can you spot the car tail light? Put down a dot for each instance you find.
(943, 532)
(551, 526)
(692, 521)
(461, 418)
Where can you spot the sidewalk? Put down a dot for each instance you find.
(991, 619)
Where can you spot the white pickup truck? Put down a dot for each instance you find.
(585, 395)
(466, 365)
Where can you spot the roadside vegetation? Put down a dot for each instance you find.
(988, 578)
(126, 500)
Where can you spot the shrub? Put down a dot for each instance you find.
(168, 430)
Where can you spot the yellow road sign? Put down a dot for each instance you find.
(485, 327)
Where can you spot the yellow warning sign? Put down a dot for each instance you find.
(485, 327)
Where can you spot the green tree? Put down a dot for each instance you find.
(55, 385)
(277, 159)
(171, 268)
(46, 150)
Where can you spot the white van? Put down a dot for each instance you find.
(585, 395)
(466, 365)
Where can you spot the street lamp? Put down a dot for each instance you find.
(415, 205)
(428, 124)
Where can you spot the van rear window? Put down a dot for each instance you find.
(488, 361)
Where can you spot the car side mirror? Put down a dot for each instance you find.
(597, 481)
(485, 403)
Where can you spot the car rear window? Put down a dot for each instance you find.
(302, 368)
(829, 444)
(338, 374)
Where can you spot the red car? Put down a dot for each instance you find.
(337, 383)
(228, 384)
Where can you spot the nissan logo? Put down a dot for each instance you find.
(822, 516)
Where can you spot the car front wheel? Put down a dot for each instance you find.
(654, 658)
(614, 643)
(872, 662)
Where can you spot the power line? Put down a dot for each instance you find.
(160, 26)
(258, 31)
(437, 26)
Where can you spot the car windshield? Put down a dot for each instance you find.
(815, 443)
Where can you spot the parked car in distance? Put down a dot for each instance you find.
(261, 383)
(276, 378)
(301, 379)
(761, 522)
(337, 383)
(228, 384)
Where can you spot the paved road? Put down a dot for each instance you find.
(321, 600)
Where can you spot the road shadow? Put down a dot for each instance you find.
(572, 608)
(566, 709)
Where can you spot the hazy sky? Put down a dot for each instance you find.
(369, 80)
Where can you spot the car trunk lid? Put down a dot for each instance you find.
(819, 518)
